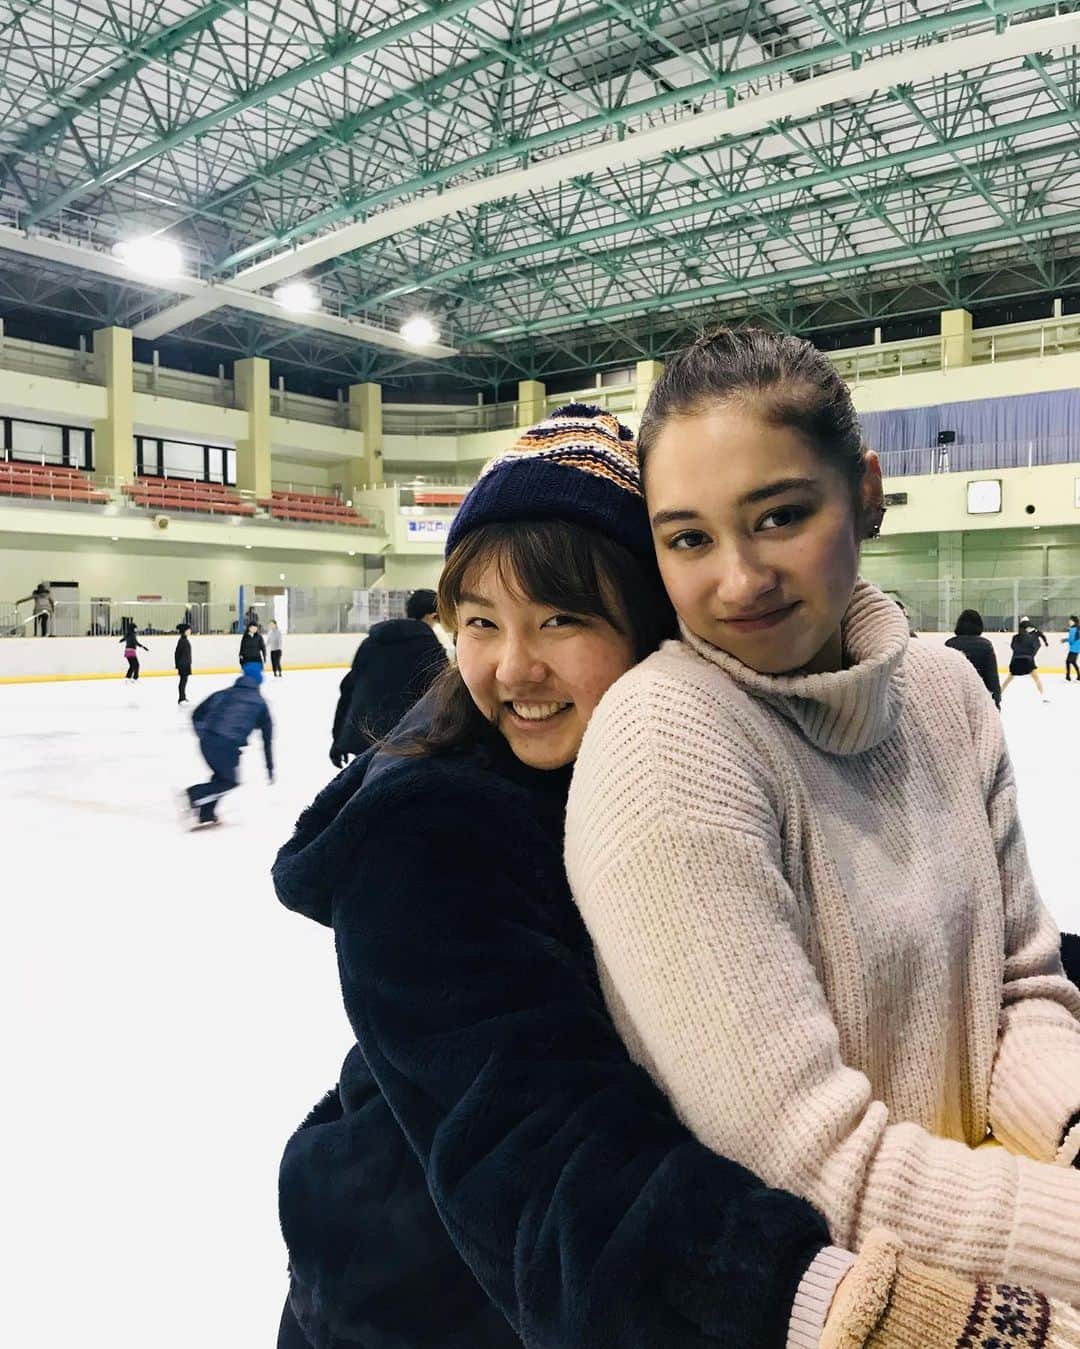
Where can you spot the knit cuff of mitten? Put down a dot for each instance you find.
(888, 1301)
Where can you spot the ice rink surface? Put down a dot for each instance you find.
(168, 1023)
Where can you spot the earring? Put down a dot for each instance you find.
(875, 528)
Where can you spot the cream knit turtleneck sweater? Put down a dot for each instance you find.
(817, 928)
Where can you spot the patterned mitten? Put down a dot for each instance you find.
(888, 1301)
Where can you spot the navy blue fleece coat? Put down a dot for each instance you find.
(394, 666)
(490, 1109)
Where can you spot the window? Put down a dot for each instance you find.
(180, 459)
(38, 442)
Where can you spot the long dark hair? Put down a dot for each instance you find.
(786, 380)
(549, 562)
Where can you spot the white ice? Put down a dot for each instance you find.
(168, 1023)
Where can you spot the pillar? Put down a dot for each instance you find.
(365, 416)
(647, 373)
(251, 380)
(955, 338)
(531, 402)
(114, 435)
(950, 561)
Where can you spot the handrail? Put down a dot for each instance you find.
(975, 457)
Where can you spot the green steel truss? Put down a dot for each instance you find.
(252, 127)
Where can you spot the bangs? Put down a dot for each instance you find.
(546, 562)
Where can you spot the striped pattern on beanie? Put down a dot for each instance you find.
(583, 437)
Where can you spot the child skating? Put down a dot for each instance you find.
(224, 722)
(1072, 641)
(132, 645)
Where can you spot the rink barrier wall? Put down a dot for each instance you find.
(30, 660)
(39, 660)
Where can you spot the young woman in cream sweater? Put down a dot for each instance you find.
(793, 836)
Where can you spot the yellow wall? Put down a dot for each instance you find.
(411, 572)
(939, 502)
(16, 520)
(42, 398)
(122, 571)
(1001, 380)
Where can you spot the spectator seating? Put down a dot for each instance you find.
(49, 482)
(313, 508)
(187, 494)
(439, 496)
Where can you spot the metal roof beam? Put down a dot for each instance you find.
(86, 259)
(757, 112)
(956, 243)
(920, 63)
(342, 132)
(254, 98)
(729, 200)
(161, 45)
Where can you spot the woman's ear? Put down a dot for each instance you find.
(872, 497)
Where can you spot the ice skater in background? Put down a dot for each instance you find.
(1025, 645)
(132, 644)
(1072, 640)
(252, 646)
(979, 650)
(182, 660)
(273, 645)
(223, 723)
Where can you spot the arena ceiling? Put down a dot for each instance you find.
(561, 184)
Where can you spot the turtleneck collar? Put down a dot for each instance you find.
(844, 711)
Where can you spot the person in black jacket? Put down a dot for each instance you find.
(978, 649)
(252, 647)
(492, 1169)
(182, 659)
(393, 667)
(223, 722)
(1025, 645)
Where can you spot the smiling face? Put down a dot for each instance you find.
(757, 536)
(535, 671)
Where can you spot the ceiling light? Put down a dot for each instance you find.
(151, 255)
(298, 297)
(419, 331)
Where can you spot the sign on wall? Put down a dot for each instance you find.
(984, 496)
(427, 531)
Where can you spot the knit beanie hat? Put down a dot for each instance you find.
(580, 464)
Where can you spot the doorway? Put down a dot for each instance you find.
(66, 617)
(198, 606)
